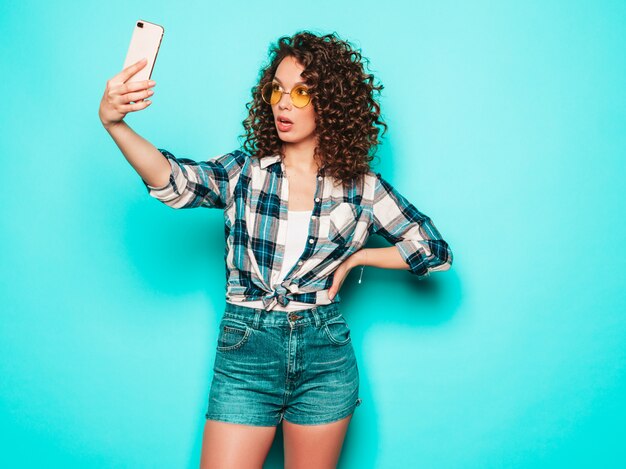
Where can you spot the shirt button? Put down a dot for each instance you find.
(319, 178)
(310, 240)
(317, 199)
(300, 262)
(313, 217)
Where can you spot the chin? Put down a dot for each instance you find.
(289, 138)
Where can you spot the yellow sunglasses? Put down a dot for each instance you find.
(272, 92)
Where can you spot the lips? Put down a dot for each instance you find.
(283, 124)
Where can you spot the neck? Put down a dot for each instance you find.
(300, 156)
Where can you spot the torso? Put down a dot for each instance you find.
(301, 191)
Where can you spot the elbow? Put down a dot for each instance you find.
(426, 256)
(442, 266)
(168, 195)
(442, 257)
(175, 193)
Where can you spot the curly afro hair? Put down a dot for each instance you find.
(347, 118)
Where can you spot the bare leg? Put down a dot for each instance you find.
(314, 446)
(230, 445)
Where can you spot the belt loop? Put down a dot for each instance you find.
(257, 318)
(316, 316)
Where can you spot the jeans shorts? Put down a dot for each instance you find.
(271, 365)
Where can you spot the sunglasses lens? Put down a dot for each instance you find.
(300, 96)
(271, 93)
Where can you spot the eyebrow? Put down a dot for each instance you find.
(297, 83)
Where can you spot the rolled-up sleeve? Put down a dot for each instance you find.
(419, 242)
(192, 183)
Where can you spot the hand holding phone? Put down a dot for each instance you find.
(132, 84)
(144, 43)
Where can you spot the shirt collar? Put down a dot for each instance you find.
(269, 160)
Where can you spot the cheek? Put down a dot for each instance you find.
(310, 117)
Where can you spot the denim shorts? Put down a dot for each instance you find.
(271, 365)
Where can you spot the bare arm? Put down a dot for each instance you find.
(149, 162)
(116, 101)
(386, 258)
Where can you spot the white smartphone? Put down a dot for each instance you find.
(145, 42)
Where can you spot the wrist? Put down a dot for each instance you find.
(109, 126)
(359, 258)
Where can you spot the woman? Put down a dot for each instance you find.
(299, 203)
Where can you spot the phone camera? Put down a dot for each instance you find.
(140, 24)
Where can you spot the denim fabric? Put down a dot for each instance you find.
(271, 365)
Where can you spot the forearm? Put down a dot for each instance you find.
(385, 258)
(144, 157)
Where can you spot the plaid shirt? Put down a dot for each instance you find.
(254, 194)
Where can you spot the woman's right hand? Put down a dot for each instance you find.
(115, 103)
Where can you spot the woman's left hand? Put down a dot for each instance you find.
(340, 275)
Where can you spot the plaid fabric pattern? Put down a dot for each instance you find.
(254, 196)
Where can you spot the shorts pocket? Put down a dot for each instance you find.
(233, 334)
(337, 331)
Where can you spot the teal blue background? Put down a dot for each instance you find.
(507, 127)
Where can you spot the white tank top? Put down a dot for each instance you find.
(297, 234)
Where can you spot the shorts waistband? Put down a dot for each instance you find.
(256, 316)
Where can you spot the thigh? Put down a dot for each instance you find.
(229, 445)
(314, 446)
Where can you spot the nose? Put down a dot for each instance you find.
(285, 101)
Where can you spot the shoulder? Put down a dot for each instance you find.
(237, 157)
(381, 184)
(231, 163)
(371, 182)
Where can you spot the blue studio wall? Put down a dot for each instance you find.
(507, 126)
